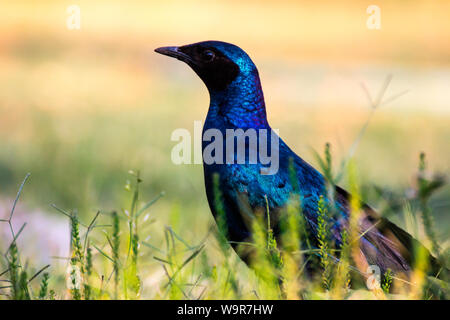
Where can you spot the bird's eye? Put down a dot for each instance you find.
(208, 55)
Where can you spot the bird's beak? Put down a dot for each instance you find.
(175, 53)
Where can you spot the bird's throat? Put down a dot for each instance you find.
(240, 105)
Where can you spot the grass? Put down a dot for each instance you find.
(109, 260)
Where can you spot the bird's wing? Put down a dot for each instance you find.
(382, 243)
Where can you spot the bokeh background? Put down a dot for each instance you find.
(80, 108)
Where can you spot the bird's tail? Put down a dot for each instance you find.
(437, 266)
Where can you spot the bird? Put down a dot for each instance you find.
(237, 102)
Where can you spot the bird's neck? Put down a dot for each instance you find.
(240, 105)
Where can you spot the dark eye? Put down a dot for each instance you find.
(208, 55)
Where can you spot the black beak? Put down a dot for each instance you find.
(175, 53)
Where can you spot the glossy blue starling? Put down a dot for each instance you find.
(237, 102)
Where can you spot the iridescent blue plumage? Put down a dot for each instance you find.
(237, 102)
(241, 106)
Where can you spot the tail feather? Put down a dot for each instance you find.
(389, 246)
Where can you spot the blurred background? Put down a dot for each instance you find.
(80, 108)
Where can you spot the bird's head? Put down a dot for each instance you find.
(217, 63)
